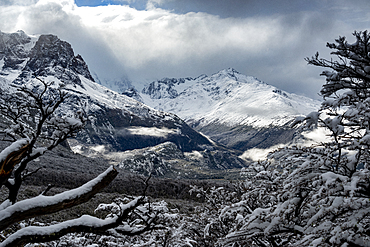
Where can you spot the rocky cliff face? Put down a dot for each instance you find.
(14, 49)
(164, 88)
(51, 56)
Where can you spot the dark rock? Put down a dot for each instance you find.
(132, 93)
(12, 49)
(53, 57)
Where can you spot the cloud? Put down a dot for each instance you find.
(143, 45)
(17, 2)
(257, 154)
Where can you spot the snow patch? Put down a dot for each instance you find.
(194, 154)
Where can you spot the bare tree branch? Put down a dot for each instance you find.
(42, 205)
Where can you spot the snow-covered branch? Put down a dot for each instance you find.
(41, 205)
(86, 223)
(32, 111)
(10, 157)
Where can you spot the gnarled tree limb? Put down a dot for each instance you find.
(86, 223)
(42, 205)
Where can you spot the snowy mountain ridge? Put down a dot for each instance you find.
(227, 97)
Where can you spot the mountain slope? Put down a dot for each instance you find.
(115, 120)
(238, 111)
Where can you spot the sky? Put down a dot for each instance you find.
(146, 40)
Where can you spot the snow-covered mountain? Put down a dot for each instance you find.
(226, 97)
(115, 120)
(237, 110)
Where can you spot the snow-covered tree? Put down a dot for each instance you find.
(34, 125)
(317, 195)
(174, 228)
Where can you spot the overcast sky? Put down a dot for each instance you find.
(144, 40)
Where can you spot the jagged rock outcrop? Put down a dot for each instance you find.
(13, 49)
(163, 88)
(132, 93)
(51, 56)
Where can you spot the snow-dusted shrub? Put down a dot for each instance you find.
(318, 195)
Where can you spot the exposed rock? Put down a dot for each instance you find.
(13, 49)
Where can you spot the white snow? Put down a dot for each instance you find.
(195, 154)
(86, 220)
(5, 204)
(40, 150)
(103, 94)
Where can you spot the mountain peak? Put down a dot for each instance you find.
(52, 56)
(45, 55)
(14, 49)
(229, 71)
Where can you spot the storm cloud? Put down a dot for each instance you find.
(147, 40)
